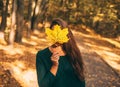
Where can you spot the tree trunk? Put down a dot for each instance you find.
(4, 15)
(13, 24)
(29, 18)
(39, 13)
(43, 8)
(20, 21)
(34, 15)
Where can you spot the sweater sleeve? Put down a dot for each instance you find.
(83, 84)
(45, 78)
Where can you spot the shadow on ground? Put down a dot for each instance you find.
(6, 79)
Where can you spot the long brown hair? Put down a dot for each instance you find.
(71, 50)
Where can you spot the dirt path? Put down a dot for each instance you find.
(99, 73)
(20, 61)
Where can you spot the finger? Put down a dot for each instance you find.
(56, 55)
(55, 58)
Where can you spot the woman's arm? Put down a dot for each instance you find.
(45, 78)
(55, 63)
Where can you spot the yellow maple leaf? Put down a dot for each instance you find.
(57, 35)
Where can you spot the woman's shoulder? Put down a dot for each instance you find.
(43, 52)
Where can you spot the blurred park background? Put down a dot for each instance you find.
(96, 27)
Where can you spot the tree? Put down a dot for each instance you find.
(43, 11)
(39, 12)
(13, 23)
(4, 14)
(19, 21)
(29, 18)
(35, 13)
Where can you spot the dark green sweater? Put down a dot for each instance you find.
(65, 76)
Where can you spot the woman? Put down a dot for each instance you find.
(60, 65)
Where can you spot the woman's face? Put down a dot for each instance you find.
(57, 49)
